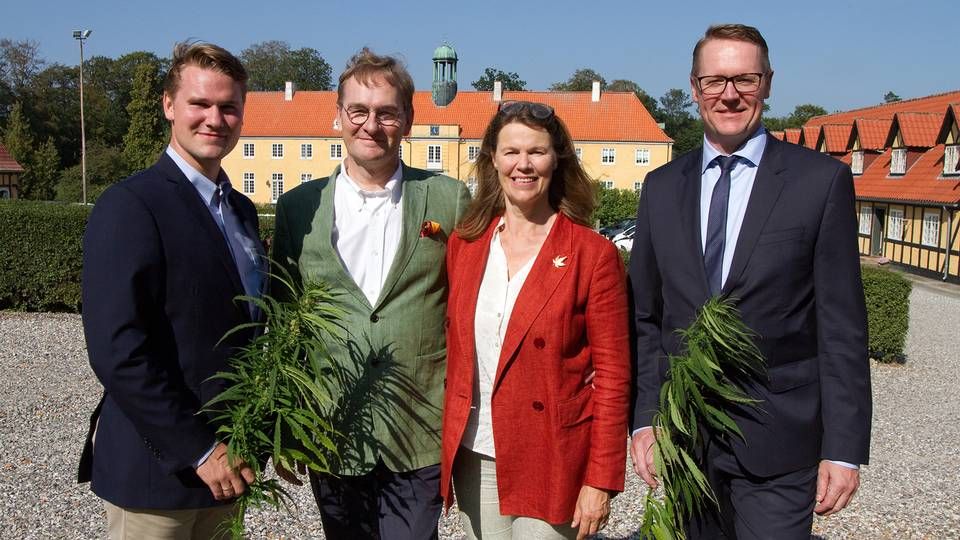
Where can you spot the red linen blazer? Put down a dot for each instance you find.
(552, 432)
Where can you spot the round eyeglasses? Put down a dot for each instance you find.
(744, 83)
(358, 116)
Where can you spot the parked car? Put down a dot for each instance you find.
(626, 233)
(625, 242)
(616, 228)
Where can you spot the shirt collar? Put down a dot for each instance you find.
(751, 150)
(205, 187)
(392, 188)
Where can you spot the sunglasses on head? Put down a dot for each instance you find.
(536, 110)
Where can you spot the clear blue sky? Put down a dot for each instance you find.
(839, 54)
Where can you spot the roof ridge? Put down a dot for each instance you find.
(889, 104)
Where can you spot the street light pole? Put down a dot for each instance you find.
(81, 36)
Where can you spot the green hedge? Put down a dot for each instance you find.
(888, 312)
(41, 254)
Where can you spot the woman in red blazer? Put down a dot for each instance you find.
(535, 413)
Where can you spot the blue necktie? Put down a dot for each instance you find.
(244, 249)
(717, 225)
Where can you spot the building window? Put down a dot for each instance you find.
(306, 177)
(895, 224)
(433, 157)
(336, 151)
(638, 186)
(401, 152)
(434, 131)
(931, 229)
(276, 150)
(579, 152)
(249, 183)
(276, 186)
(608, 156)
(306, 151)
(950, 157)
(472, 185)
(643, 156)
(606, 184)
(898, 161)
(866, 218)
(248, 151)
(472, 153)
(856, 163)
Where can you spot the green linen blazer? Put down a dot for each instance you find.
(388, 379)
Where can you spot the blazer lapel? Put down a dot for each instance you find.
(548, 269)
(471, 266)
(690, 216)
(323, 221)
(414, 204)
(766, 190)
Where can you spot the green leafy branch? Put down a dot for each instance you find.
(272, 407)
(699, 392)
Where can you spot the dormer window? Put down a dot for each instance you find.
(950, 157)
(898, 162)
(856, 164)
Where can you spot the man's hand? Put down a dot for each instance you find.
(225, 481)
(592, 511)
(641, 453)
(288, 475)
(836, 485)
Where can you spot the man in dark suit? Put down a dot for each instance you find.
(166, 252)
(774, 227)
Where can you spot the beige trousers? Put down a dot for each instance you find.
(475, 483)
(153, 524)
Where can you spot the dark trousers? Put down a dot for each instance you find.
(753, 507)
(380, 505)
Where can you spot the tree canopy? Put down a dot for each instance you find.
(581, 81)
(510, 80)
(271, 63)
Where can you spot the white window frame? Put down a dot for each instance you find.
(249, 183)
(579, 152)
(249, 150)
(931, 229)
(607, 184)
(642, 156)
(898, 161)
(856, 162)
(608, 156)
(306, 151)
(472, 153)
(866, 220)
(400, 152)
(637, 186)
(306, 177)
(951, 155)
(276, 150)
(276, 186)
(895, 225)
(336, 151)
(434, 157)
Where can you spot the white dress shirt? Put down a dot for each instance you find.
(366, 230)
(498, 293)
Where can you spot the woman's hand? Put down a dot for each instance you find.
(593, 509)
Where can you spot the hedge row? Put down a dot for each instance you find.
(888, 312)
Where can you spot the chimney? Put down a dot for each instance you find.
(288, 92)
(497, 91)
(595, 93)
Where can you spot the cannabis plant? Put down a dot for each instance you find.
(699, 392)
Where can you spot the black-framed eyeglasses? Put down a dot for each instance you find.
(358, 116)
(539, 111)
(744, 83)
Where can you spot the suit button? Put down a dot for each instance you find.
(539, 343)
(537, 406)
(374, 317)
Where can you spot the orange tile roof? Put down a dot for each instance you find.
(7, 163)
(922, 183)
(618, 116)
(777, 134)
(918, 130)
(950, 119)
(809, 136)
(836, 137)
(872, 133)
(792, 135)
(930, 104)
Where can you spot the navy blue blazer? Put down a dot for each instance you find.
(796, 275)
(159, 284)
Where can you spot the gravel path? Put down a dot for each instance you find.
(911, 489)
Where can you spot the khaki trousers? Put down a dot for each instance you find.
(475, 483)
(153, 524)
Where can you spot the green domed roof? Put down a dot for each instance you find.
(444, 52)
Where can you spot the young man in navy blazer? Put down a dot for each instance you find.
(166, 252)
(772, 225)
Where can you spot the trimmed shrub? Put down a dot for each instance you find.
(888, 313)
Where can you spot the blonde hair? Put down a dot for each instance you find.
(205, 56)
(734, 32)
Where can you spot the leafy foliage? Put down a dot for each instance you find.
(623, 85)
(581, 81)
(615, 205)
(105, 166)
(887, 295)
(274, 404)
(271, 63)
(700, 389)
(143, 141)
(510, 80)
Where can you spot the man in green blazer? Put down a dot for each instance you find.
(375, 231)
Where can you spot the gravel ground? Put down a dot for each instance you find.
(911, 489)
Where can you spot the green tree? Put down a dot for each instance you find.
(144, 138)
(105, 166)
(615, 205)
(679, 123)
(510, 80)
(890, 97)
(17, 136)
(19, 63)
(44, 172)
(271, 63)
(802, 113)
(581, 81)
(623, 85)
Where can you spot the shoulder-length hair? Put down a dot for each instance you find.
(572, 192)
